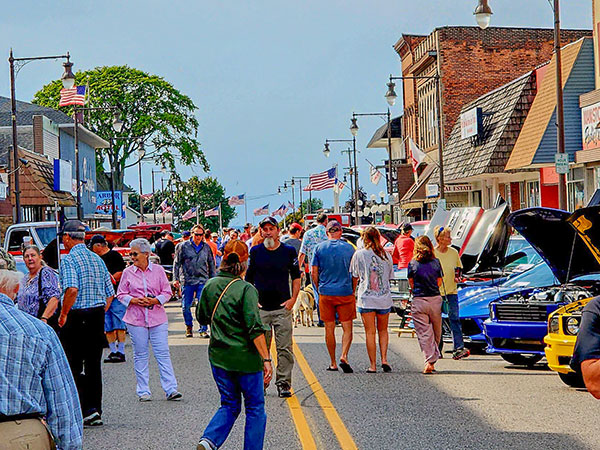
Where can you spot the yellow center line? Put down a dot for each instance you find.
(306, 438)
(337, 425)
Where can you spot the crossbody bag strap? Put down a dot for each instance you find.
(220, 297)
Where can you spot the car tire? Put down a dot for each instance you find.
(572, 379)
(521, 360)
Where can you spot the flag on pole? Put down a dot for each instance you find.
(291, 206)
(263, 211)
(72, 96)
(146, 197)
(280, 211)
(164, 205)
(375, 175)
(417, 156)
(214, 212)
(323, 180)
(189, 213)
(237, 200)
(339, 185)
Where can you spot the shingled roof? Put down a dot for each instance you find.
(26, 111)
(504, 112)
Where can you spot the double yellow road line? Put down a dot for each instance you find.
(305, 434)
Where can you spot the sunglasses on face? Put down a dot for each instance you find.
(198, 234)
(334, 230)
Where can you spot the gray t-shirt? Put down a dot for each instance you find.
(374, 274)
(296, 243)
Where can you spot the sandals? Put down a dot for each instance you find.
(386, 368)
(371, 371)
(346, 367)
(332, 369)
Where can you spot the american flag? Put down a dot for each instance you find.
(214, 212)
(237, 200)
(291, 206)
(189, 213)
(339, 186)
(72, 96)
(323, 180)
(263, 211)
(280, 211)
(146, 197)
(164, 205)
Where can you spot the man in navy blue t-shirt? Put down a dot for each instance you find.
(330, 271)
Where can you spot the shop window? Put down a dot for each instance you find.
(575, 189)
(533, 194)
(522, 195)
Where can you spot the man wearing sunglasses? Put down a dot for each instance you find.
(194, 264)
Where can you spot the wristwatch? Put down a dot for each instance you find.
(267, 360)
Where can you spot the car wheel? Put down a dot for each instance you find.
(521, 360)
(573, 379)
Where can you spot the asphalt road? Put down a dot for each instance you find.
(478, 403)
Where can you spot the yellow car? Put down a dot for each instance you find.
(563, 326)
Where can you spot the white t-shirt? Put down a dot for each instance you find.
(374, 274)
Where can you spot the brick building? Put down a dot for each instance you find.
(470, 63)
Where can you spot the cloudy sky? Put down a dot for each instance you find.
(271, 79)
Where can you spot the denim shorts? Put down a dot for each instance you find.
(113, 318)
(378, 311)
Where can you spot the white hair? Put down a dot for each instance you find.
(9, 280)
(141, 244)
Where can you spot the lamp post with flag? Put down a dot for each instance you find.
(352, 167)
(68, 81)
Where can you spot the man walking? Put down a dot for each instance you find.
(165, 248)
(404, 246)
(312, 238)
(35, 380)
(272, 264)
(87, 293)
(330, 271)
(195, 265)
(114, 327)
(293, 237)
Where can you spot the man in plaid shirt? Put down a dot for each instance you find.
(87, 293)
(35, 380)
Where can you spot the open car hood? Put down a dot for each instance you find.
(552, 233)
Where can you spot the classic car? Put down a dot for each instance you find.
(517, 322)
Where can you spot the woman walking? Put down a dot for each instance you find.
(372, 268)
(144, 289)
(425, 278)
(39, 294)
(451, 268)
(238, 352)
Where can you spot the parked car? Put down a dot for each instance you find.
(517, 322)
(41, 234)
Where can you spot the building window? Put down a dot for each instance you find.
(575, 189)
(533, 194)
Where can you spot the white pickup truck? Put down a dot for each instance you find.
(41, 234)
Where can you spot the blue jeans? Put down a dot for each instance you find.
(457, 336)
(189, 292)
(232, 385)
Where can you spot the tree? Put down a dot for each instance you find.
(149, 106)
(315, 205)
(205, 193)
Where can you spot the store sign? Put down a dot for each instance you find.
(63, 176)
(454, 188)
(104, 203)
(470, 123)
(432, 190)
(590, 120)
(561, 162)
(3, 191)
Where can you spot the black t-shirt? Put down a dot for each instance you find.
(165, 250)
(270, 271)
(114, 262)
(425, 276)
(588, 338)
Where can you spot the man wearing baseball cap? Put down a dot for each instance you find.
(293, 237)
(272, 264)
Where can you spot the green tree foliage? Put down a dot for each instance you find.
(206, 193)
(150, 107)
(315, 204)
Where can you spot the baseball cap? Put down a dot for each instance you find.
(73, 226)
(186, 233)
(97, 239)
(407, 227)
(235, 247)
(269, 220)
(333, 224)
(296, 226)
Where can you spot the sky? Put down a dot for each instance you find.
(272, 79)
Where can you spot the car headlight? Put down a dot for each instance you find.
(553, 325)
(572, 325)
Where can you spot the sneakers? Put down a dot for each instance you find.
(204, 334)
(115, 357)
(145, 398)
(189, 332)
(283, 390)
(175, 396)
(460, 353)
(204, 445)
(93, 420)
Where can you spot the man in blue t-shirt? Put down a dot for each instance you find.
(330, 271)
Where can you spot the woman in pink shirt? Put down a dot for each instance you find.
(144, 289)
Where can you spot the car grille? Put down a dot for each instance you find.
(516, 344)
(521, 312)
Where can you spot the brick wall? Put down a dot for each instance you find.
(405, 179)
(38, 134)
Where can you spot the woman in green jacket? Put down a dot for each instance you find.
(237, 351)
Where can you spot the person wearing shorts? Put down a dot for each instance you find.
(330, 272)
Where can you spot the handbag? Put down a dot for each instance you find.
(52, 320)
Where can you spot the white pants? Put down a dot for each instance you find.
(158, 337)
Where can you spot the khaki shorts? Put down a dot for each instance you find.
(344, 306)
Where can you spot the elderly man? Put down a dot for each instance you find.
(87, 293)
(35, 380)
(195, 265)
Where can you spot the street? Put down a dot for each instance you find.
(479, 402)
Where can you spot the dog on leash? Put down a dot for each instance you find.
(304, 307)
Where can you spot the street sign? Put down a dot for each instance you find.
(432, 190)
(561, 162)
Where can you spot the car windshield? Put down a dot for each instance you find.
(538, 275)
(46, 234)
(529, 257)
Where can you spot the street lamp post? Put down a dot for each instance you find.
(141, 154)
(68, 81)
(483, 14)
(162, 170)
(353, 185)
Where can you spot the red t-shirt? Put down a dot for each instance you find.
(403, 250)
